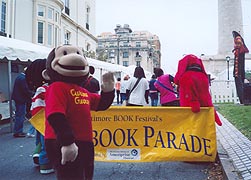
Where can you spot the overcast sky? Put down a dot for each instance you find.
(183, 26)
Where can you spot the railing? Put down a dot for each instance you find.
(223, 91)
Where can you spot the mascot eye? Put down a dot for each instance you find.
(65, 53)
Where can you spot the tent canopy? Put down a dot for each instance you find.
(14, 49)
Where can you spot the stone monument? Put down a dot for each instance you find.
(229, 19)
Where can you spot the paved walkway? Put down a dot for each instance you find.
(237, 147)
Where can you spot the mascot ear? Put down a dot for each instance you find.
(45, 75)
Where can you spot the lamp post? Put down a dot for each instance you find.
(228, 59)
(118, 40)
(118, 52)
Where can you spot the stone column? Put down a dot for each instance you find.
(229, 19)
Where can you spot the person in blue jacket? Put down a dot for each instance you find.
(21, 96)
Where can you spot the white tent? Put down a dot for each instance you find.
(14, 49)
(20, 51)
(102, 67)
(118, 70)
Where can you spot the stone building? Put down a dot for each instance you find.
(126, 47)
(50, 22)
(42, 25)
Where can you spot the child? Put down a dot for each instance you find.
(37, 82)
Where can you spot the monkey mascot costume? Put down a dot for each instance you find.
(68, 126)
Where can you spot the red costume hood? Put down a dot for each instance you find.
(184, 63)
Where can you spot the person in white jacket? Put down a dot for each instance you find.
(138, 88)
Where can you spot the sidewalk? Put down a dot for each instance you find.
(234, 151)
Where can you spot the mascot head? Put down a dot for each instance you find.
(189, 63)
(33, 74)
(66, 63)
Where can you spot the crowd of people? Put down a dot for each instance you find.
(38, 88)
(138, 91)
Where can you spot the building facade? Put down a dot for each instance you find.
(50, 22)
(126, 47)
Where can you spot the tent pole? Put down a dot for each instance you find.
(10, 92)
(100, 75)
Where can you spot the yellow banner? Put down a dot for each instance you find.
(150, 134)
(38, 121)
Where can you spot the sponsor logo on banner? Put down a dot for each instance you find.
(123, 154)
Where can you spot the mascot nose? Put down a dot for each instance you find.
(72, 60)
(72, 65)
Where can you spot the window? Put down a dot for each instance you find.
(111, 55)
(40, 11)
(66, 3)
(138, 63)
(67, 36)
(100, 44)
(40, 32)
(67, 6)
(50, 34)
(126, 44)
(50, 13)
(111, 45)
(138, 44)
(87, 17)
(3, 16)
(88, 47)
(56, 17)
(125, 63)
(48, 25)
(125, 54)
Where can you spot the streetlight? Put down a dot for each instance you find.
(118, 40)
(228, 59)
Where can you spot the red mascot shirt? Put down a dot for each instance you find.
(76, 104)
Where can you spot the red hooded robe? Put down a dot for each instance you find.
(193, 84)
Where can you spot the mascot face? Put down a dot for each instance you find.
(69, 61)
(66, 63)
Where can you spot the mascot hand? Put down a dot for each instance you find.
(195, 105)
(217, 119)
(69, 153)
(107, 82)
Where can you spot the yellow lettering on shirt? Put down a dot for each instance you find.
(79, 96)
(78, 93)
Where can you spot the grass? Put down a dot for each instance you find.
(239, 116)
